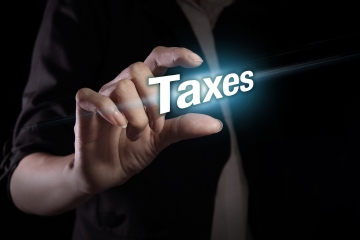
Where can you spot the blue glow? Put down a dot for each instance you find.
(245, 106)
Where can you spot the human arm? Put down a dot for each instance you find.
(43, 184)
(106, 154)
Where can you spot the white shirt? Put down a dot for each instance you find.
(230, 213)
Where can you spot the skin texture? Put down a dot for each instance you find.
(111, 145)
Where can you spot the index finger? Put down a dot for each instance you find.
(162, 58)
(159, 60)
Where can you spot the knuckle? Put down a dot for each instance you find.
(82, 94)
(137, 67)
(103, 102)
(157, 49)
(124, 86)
(104, 87)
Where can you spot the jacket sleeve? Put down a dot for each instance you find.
(67, 56)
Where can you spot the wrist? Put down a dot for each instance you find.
(75, 180)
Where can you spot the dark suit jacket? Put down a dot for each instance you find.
(87, 43)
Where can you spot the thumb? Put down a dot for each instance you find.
(185, 127)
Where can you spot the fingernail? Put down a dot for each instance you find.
(221, 125)
(196, 58)
(117, 118)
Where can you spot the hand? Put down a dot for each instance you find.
(111, 146)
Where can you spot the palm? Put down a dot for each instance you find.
(106, 154)
(114, 158)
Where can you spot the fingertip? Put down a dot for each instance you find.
(220, 126)
(157, 125)
(194, 57)
(187, 58)
(119, 119)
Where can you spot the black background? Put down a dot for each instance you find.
(20, 23)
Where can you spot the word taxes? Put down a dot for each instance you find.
(230, 80)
